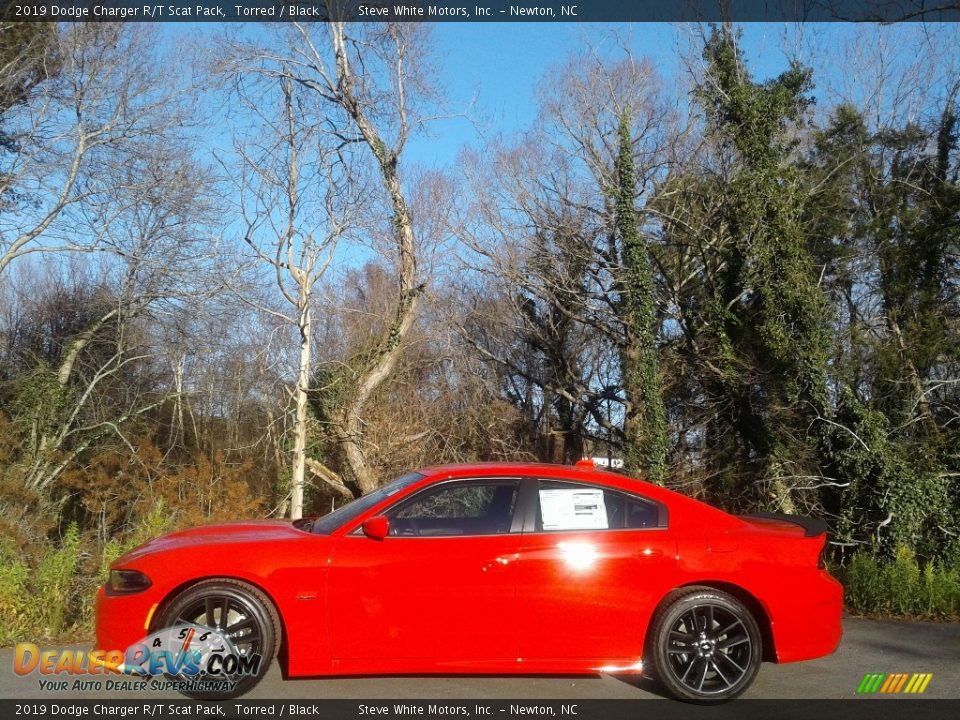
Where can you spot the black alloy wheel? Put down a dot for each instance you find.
(238, 612)
(705, 646)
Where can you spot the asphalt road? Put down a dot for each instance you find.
(868, 647)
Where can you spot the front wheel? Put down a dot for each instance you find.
(705, 646)
(239, 615)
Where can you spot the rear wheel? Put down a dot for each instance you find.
(705, 646)
(237, 612)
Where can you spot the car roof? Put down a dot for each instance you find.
(675, 501)
(496, 465)
(567, 472)
(516, 468)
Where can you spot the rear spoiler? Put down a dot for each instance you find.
(811, 526)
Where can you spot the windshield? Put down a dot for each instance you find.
(346, 513)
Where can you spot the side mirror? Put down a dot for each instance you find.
(377, 527)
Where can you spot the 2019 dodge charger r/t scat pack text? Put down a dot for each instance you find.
(492, 568)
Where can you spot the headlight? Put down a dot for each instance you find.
(128, 581)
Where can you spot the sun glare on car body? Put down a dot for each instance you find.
(579, 555)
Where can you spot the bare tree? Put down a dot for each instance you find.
(372, 80)
(299, 194)
(540, 230)
(91, 384)
(70, 128)
(94, 160)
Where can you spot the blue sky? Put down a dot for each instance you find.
(496, 67)
(491, 70)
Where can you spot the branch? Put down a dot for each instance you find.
(328, 476)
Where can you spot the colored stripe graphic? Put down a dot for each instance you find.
(893, 683)
(919, 683)
(870, 683)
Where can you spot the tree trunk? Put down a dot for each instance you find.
(300, 403)
(350, 431)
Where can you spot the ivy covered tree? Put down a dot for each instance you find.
(890, 203)
(756, 317)
(645, 443)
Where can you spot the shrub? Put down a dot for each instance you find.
(155, 523)
(55, 583)
(14, 574)
(36, 601)
(49, 593)
(901, 586)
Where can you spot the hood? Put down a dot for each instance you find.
(243, 531)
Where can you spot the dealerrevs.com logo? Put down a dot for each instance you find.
(894, 683)
(191, 658)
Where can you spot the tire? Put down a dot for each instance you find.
(251, 622)
(705, 646)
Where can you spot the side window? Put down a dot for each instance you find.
(640, 514)
(461, 508)
(574, 506)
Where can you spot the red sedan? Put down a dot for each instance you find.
(494, 568)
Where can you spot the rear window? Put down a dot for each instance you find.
(572, 506)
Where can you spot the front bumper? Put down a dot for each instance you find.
(122, 620)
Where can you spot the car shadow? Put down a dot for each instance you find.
(642, 682)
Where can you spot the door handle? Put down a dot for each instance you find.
(499, 563)
(649, 553)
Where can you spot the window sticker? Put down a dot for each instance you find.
(573, 509)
